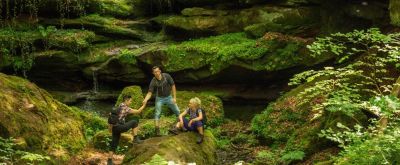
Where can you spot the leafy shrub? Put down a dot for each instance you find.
(293, 156)
(9, 154)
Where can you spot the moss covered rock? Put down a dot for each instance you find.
(297, 125)
(115, 61)
(135, 92)
(71, 39)
(181, 148)
(45, 124)
(200, 21)
(105, 25)
(204, 57)
(394, 8)
(120, 8)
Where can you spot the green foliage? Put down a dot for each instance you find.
(344, 88)
(128, 56)
(367, 145)
(223, 143)
(15, 8)
(241, 138)
(387, 105)
(348, 44)
(9, 154)
(17, 47)
(293, 156)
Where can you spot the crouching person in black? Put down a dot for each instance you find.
(121, 126)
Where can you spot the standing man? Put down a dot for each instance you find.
(162, 84)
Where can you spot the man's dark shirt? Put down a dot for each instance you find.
(161, 87)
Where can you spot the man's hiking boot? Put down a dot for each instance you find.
(199, 139)
(158, 131)
(137, 140)
(109, 161)
(174, 131)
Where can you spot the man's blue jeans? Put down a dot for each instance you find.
(160, 101)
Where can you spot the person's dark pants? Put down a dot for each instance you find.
(118, 129)
(194, 125)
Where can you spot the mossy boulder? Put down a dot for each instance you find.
(197, 21)
(135, 92)
(101, 140)
(46, 125)
(297, 125)
(394, 8)
(181, 148)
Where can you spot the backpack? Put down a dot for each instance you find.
(113, 117)
(204, 120)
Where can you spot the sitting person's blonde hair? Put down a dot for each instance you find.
(196, 101)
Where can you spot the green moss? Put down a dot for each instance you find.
(120, 8)
(394, 8)
(105, 25)
(271, 53)
(218, 51)
(71, 39)
(99, 53)
(135, 92)
(197, 11)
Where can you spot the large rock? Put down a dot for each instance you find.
(232, 57)
(181, 149)
(196, 21)
(395, 12)
(106, 62)
(294, 123)
(46, 125)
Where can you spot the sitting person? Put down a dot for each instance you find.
(122, 126)
(195, 122)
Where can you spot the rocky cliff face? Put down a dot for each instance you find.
(122, 40)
